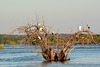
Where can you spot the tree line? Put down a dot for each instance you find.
(10, 39)
(15, 39)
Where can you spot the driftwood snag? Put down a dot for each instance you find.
(41, 34)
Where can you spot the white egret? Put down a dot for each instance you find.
(41, 29)
(80, 28)
(39, 37)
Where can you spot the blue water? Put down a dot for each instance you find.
(23, 57)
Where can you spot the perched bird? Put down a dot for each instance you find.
(38, 24)
(40, 29)
(80, 28)
(52, 32)
(46, 35)
(88, 26)
(39, 37)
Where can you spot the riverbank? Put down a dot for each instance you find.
(15, 39)
(1, 47)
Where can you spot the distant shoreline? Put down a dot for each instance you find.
(15, 39)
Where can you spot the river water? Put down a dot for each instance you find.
(23, 57)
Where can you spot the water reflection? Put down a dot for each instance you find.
(48, 64)
(55, 63)
(63, 62)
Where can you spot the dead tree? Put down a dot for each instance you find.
(75, 39)
(40, 33)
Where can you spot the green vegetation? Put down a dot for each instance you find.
(97, 38)
(10, 39)
(15, 39)
(1, 47)
(52, 40)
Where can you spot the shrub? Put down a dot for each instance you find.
(1, 47)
